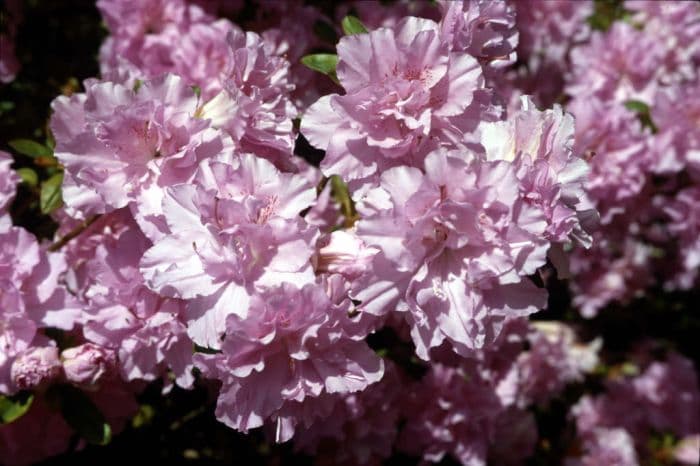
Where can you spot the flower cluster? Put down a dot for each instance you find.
(461, 208)
(634, 94)
(36, 302)
(665, 397)
(32, 299)
(471, 408)
(244, 77)
(380, 299)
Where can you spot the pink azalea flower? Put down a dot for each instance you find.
(687, 451)
(121, 146)
(245, 74)
(484, 29)
(17, 334)
(291, 346)
(613, 270)
(142, 32)
(541, 143)
(555, 359)
(622, 63)
(676, 26)
(148, 340)
(237, 230)
(402, 87)
(455, 245)
(620, 154)
(290, 27)
(254, 106)
(665, 397)
(548, 30)
(455, 411)
(135, 17)
(145, 331)
(676, 112)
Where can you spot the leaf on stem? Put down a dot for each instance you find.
(352, 25)
(322, 62)
(30, 148)
(50, 198)
(14, 407)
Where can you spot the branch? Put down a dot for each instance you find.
(73, 233)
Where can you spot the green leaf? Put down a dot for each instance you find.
(637, 106)
(325, 31)
(322, 62)
(28, 176)
(30, 148)
(643, 113)
(14, 407)
(352, 25)
(82, 415)
(50, 198)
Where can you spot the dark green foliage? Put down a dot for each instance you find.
(606, 13)
(80, 413)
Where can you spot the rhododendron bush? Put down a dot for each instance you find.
(354, 233)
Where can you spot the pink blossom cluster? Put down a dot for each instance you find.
(616, 426)
(548, 30)
(381, 301)
(192, 202)
(260, 67)
(468, 408)
(634, 92)
(241, 77)
(360, 428)
(35, 302)
(462, 206)
(32, 299)
(475, 409)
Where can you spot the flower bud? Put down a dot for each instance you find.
(87, 364)
(345, 254)
(35, 367)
